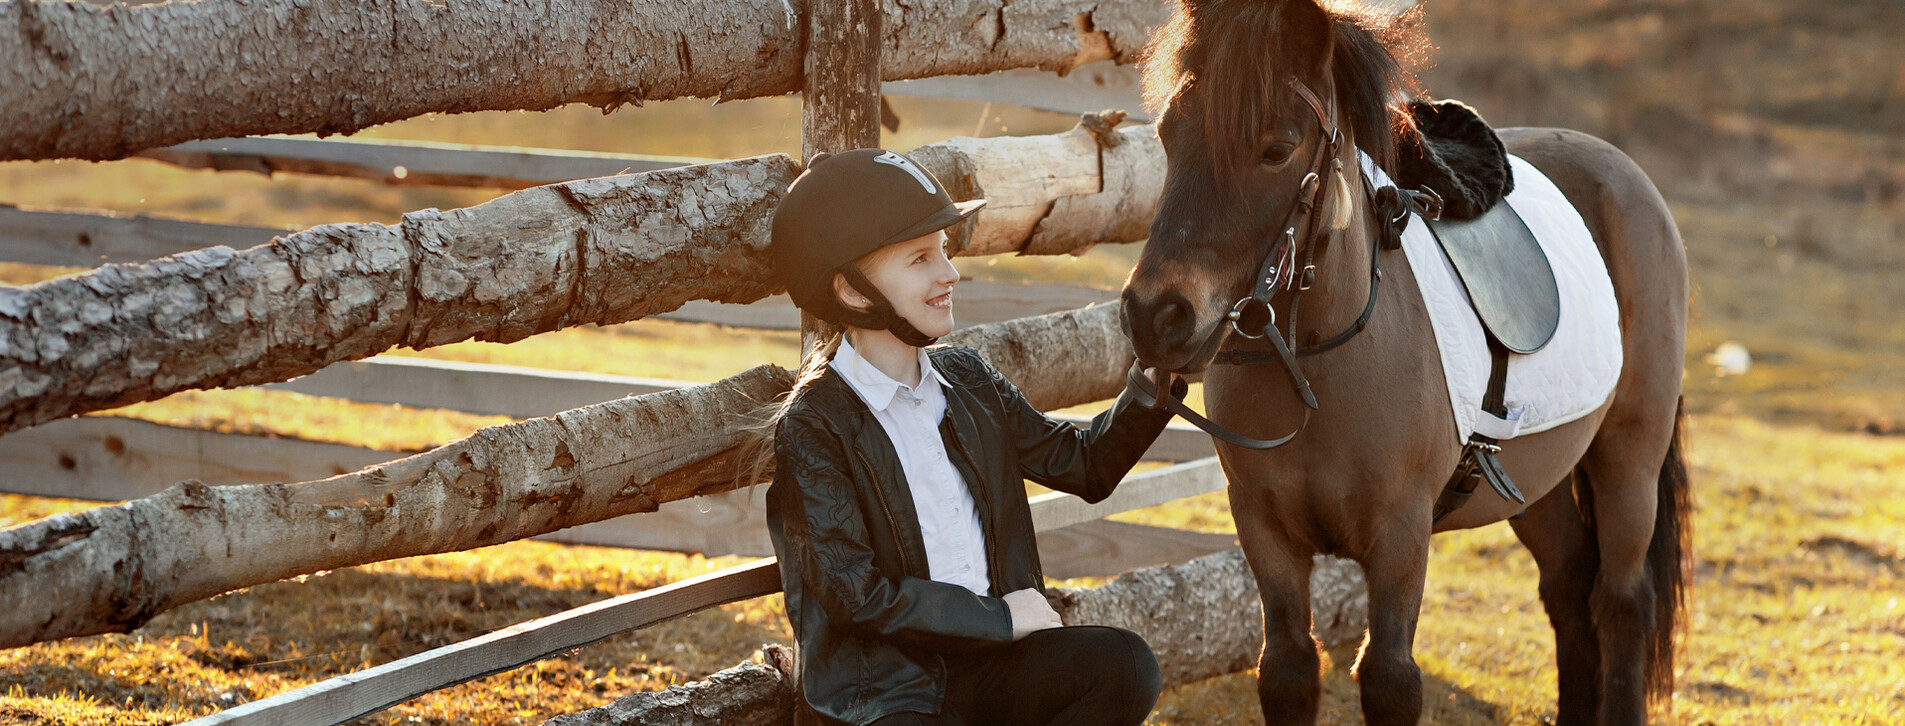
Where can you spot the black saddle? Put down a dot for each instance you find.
(1457, 156)
(1508, 278)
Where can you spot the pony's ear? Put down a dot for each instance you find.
(1313, 37)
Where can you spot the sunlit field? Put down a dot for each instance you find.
(1771, 127)
(1795, 615)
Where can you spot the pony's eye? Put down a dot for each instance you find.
(1278, 153)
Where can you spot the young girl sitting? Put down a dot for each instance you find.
(897, 509)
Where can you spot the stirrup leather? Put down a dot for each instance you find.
(1479, 462)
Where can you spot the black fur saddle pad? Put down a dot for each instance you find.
(1457, 155)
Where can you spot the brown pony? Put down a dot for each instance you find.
(1607, 519)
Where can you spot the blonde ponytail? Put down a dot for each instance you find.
(758, 448)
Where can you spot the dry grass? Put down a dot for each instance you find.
(1795, 615)
(213, 654)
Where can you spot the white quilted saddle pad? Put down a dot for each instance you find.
(1570, 377)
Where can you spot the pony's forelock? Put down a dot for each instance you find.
(1218, 46)
(1163, 63)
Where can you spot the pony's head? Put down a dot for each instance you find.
(1248, 95)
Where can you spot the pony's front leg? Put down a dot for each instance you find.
(1386, 668)
(1289, 677)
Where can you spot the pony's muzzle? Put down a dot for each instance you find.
(1161, 327)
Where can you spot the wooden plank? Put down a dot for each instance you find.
(729, 523)
(346, 697)
(107, 458)
(409, 163)
(1091, 87)
(1105, 548)
(90, 239)
(979, 302)
(772, 313)
(115, 459)
(469, 387)
(1149, 489)
(530, 392)
(736, 523)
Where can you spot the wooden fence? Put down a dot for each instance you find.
(1049, 195)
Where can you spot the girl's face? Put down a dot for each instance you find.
(916, 277)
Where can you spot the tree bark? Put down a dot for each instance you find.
(80, 80)
(1069, 358)
(1204, 618)
(750, 694)
(600, 251)
(1201, 618)
(840, 104)
(1055, 194)
(111, 569)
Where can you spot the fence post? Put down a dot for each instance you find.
(840, 106)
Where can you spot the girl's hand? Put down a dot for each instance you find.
(1030, 612)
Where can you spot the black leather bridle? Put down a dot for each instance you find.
(1253, 317)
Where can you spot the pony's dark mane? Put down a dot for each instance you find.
(1237, 52)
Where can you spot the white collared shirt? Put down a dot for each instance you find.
(955, 541)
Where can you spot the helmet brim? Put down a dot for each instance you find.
(946, 217)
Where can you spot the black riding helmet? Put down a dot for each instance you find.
(844, 206)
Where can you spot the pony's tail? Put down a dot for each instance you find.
(1669, 558)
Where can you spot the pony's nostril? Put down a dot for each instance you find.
(1174, 320)
(1159, 325)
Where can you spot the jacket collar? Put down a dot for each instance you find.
(875, 387)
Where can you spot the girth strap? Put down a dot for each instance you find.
(1479, 462)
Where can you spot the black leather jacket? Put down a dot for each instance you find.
(870, 622)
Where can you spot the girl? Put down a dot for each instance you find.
(905, 541)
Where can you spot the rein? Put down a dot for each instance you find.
(1278, 272)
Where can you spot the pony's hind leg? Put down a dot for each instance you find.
(1564, 548)
(1289, 677)
(1386, 669)
(1636, 488)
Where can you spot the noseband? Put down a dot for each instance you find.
(1253, 317)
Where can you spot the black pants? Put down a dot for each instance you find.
(1088, 676)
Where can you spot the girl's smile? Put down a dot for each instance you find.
(918, 279)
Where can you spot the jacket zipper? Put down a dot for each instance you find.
(891, 522)
(992, 538)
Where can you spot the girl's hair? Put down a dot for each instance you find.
(813, 366)
(758, 448)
